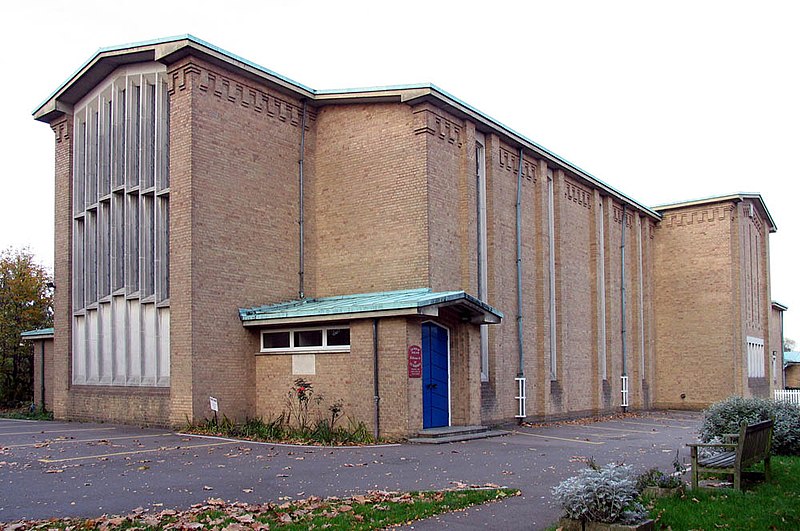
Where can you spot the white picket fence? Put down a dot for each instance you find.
(788, 395)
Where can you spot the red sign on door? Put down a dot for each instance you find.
(414, 361)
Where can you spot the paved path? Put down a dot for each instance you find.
(54, 469)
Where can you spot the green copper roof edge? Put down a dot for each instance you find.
(401, 299)
(39, 332)
(434, 90)
(445, 95)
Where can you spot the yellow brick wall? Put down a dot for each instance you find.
(45, 365)
(793, 377)
(712, 291)
(234, 240)
(62, 267)
(349, 377)
(368, 212)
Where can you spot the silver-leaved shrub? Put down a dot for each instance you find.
(601, 494)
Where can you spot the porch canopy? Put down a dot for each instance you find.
(421, 301)
(42, 333)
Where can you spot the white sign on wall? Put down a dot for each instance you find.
(214, 405)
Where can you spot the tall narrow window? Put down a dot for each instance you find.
(134, 154)
(163, 138)
(105, 135)
(132, 247)
(91, 158)
(90, 256)
(147, 257)
(118, 240)
(162, 257)
(480, 193)
(551, 231)
(755, 357)
(104, 249)
(148, 138)
(601, 288)
(79, 178)
(120, 135)
(78, 271)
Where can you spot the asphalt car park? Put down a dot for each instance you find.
(56, 469)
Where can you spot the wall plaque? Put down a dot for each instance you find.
(414, 361)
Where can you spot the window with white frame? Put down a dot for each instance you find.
(320, 339)
(755, 357)
(120, 275)
(483, 276)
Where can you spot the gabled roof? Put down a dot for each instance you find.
(42, 333)
(421, 301)
(737, 197)
(170, 49)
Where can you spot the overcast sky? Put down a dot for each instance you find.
(664, 101)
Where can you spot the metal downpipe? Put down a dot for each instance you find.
(43, 394)
(521, 394)
(301, 220)
(521, 371)
(375, 374)
(623, 330)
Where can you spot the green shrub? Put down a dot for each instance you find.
(656, 478)
(726, 416)
(301, 421)
(605, 494)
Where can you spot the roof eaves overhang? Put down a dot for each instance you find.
(172, 49)
(45, 333)
(735, 198)
(465, 111)
(167, 50)
(467, 307)
(778, 306)
(421, 93)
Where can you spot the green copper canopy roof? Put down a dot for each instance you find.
(421, 301)
(42, 333)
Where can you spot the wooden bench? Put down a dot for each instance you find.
(752, 445)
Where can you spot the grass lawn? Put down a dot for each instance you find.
(763, 506)
(375, 510)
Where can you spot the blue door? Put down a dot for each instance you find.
(435, 385)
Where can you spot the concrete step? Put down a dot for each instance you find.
(467, 433)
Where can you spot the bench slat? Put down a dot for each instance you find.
(722, 460)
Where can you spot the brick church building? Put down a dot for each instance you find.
(222, 230)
